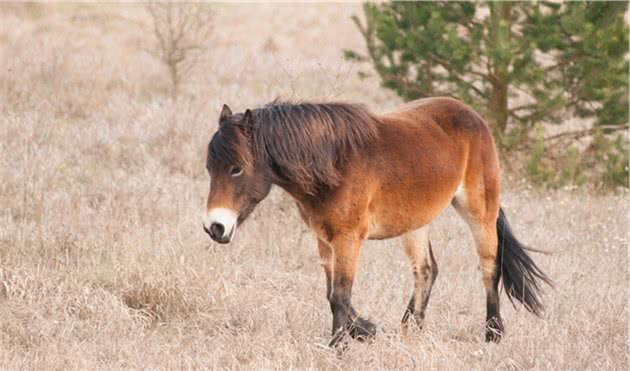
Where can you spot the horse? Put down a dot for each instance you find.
(356, 175)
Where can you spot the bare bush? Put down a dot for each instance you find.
(182, 32)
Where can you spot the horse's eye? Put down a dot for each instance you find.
(236, 171)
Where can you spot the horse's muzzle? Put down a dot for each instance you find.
(220, 224)
(216, 232)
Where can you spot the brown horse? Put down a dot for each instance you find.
(355, 175)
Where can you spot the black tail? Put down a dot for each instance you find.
(521, 276)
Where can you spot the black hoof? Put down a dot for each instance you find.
(362, 329)
(494, 330)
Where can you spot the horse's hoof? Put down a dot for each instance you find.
(494, 330)
(362, 329)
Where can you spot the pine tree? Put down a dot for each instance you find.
(519, 63)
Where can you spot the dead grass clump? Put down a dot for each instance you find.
(157, 303)
(80, 308)
(18, 284)
(17, 333)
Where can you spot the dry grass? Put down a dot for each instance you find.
(103, 263)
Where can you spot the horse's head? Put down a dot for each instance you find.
(237, 182)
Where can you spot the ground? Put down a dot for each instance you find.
(103, 261)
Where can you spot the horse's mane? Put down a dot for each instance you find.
(308, 143)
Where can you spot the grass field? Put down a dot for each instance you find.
(103, 261)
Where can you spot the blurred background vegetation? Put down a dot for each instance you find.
(551, 78)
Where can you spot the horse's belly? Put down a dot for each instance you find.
(393, 219)
(380, 228)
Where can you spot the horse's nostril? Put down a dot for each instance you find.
(216, 230)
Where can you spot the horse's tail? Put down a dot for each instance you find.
(521, 276)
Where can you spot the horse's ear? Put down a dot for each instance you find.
(225, 113)
(248, 120)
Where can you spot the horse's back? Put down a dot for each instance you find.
(443, 129)
(468, 133)
(448, 113)
(466, 129)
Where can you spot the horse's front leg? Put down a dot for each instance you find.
(340, 258)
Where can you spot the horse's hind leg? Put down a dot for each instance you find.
(479, 207)
(418, 249)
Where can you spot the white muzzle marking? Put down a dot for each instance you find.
(223, 216)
